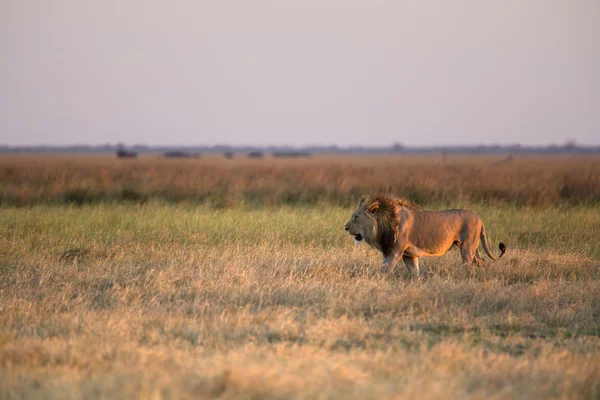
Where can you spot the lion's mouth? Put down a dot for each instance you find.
(358, 238)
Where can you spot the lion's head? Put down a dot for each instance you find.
(376, 220)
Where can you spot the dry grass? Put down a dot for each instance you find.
(181, 301)
(527, 181)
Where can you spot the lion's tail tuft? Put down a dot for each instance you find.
(502, 248)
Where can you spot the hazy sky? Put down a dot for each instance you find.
(299, 72)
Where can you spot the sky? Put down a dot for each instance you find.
(299, 72)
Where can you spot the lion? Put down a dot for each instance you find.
(400, 229)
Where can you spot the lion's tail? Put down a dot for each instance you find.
(501, 246)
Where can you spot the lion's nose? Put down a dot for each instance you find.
(346, 228)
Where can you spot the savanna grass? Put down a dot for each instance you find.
(160, 300)
(223, 183)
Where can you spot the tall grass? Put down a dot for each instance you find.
(222, 183)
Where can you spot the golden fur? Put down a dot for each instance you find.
(400, 229)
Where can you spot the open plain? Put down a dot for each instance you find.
(215, 278)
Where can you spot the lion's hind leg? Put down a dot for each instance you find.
(468, 253)
(478, 259)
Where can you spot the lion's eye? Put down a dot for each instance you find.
(354, 218)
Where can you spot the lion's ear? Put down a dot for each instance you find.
(373, 208)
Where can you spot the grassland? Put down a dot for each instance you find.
(203, 298)
(222, 183)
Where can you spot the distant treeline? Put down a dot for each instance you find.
(286, 151)
(228, 154)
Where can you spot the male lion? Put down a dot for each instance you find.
(400, 229)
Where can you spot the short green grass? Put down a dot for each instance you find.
(47, 228)
(184, 301)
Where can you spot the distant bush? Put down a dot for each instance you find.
(126, 154)
(181, 154)
(292, 154)
(256, 154)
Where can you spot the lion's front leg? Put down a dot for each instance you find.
(412, 263)
(389, 262)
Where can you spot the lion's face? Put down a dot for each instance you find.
(361, 225)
